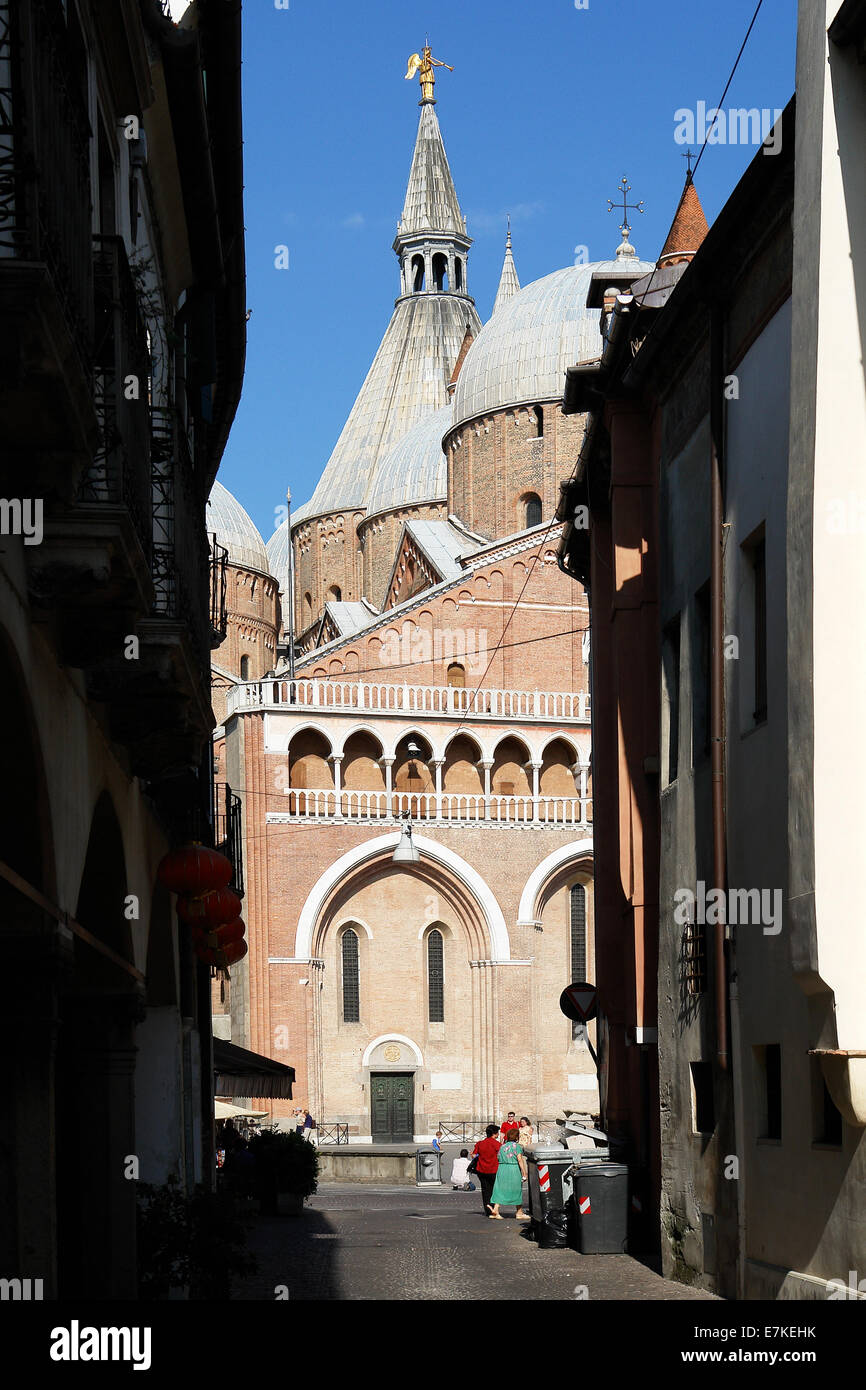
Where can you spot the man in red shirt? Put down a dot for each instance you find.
(510, 1123)
(488, 1161)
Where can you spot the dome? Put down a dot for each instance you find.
(278, 555)
(523, 352)
(235, 530)
(415, 470)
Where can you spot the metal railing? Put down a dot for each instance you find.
(442, 807)
(219, 616)
(228, 834)
(332, 1134)
(119, 474)
(180, 557)
(45, 158)
(431, 701)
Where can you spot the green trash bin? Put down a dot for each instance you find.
(601, 1208)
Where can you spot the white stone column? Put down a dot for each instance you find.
(487, 767)
(536, 781)
(388, 765)
(438, 764)
(336, 761)
(579, 772)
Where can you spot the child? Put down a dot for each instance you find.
(460, 1175)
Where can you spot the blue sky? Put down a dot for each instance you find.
(548, 106)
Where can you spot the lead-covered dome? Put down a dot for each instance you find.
(415, 470)
(522, 353)
(278, 555)
(235, 530)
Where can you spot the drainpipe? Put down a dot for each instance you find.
(717, 670)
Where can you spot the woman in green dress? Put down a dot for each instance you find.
(510, 1176)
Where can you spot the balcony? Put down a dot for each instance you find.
(433, 808)
(46, 269)
(419, 701)
(228, 838)
(93, 569)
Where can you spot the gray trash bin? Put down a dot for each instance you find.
(550, 1186)
(601, 1207)
(427, 1169)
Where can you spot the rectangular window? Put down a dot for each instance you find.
(826, 1119)
(759, 571)
(701, 676)
(703, 1105)
(768, 1087)
(671, 698)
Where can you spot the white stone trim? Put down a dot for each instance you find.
(391, 1037)
(354, 922)
(372, 849)
(542, 873)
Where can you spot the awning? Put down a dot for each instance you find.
(238, 1072)
(223, 1110)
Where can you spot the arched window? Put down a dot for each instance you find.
(351, 977)
(440, 271)
(308, 609)
(458, 274)
(335, 593)
(435, 978)
(539, 421)
(456, 676)
(245, 668)
(417, 273)
(533, 509)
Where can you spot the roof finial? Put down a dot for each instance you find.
(424, 63)
(689, 155)
(625, 249)
(508, 234)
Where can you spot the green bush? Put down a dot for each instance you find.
(194, 1240)
(285, 1162)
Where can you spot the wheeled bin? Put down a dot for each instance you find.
(601, 1208)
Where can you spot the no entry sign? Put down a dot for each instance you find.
(579, 1002)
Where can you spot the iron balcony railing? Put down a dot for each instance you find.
(430, 701)
(219, 617)
(45, 197)
(440, 807)
(180, 556)
(228, 833)
(119, 474)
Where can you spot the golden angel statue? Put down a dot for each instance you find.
(424, 63)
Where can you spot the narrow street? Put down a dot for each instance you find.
(371, 1243)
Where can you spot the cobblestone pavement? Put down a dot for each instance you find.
(360, 1242)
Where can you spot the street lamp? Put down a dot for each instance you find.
(406, 852)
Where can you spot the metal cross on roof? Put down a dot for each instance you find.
(625, 189)
(689, 155)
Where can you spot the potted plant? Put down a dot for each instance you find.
(287, 1170)
(190, 1245)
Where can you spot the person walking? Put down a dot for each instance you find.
(510, 1176)
(308, 1128)
(508, 1123)
(525, 1133)
(487, 1151)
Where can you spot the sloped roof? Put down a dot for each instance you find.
(688, 228)
(431, 198)
(509, 284)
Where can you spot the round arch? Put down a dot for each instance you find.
(543, 873)
(338, 872)
(391, 1037)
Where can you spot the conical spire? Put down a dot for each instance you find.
(508, 281)
(688, 228)
(431, 200)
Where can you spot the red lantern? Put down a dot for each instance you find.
(210, 909)
(223, 956)
(194, 869)
(220, 936)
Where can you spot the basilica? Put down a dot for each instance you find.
(403, 712)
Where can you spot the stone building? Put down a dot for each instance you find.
(440, 679)
(728, 411)
(112, 261)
